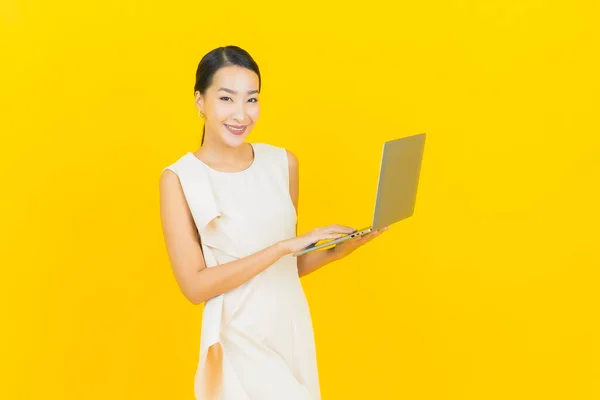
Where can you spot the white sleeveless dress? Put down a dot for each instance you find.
(263, 327)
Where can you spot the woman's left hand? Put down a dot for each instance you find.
(347, 247)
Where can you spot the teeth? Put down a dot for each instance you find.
(234, 129)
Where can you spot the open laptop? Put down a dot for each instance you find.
(396, 190)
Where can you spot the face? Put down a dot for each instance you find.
(230, 105)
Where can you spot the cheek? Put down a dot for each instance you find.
(254, 112)
(221, 111)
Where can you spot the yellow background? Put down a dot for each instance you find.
(489, 292)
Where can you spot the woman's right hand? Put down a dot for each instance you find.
(305, 240)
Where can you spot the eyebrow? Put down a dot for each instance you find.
(234, 92)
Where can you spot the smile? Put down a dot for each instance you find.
(236, 130)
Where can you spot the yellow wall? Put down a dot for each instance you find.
(489, 292)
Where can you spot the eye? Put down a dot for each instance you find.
(225, 98)
(253, 100)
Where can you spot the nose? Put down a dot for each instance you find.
(240, 114)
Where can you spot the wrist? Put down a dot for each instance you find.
(281, 248)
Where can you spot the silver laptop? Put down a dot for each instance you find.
(396, 190)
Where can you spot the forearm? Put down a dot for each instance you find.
(213, 281)
(311, 262)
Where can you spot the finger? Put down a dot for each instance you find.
(340, 228)
(363, 238)
(375, 234)
(370, 236)
(379, 232)
(367, 238)
(331, 236)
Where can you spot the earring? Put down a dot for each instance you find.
(200, 114)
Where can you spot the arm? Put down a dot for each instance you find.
(309, 262)
(197, 282)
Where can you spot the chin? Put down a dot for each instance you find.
(234, 141)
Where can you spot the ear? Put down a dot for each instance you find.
(199, 101)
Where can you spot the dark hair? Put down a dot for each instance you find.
(217, 59)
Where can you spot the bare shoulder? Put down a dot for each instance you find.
(168, 178)
(175, 212)
(170, 187)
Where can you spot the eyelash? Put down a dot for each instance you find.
(223, 98)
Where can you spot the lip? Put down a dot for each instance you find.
(236, 129)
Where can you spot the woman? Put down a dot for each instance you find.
(228, 213)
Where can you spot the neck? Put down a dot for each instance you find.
(219, 153)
